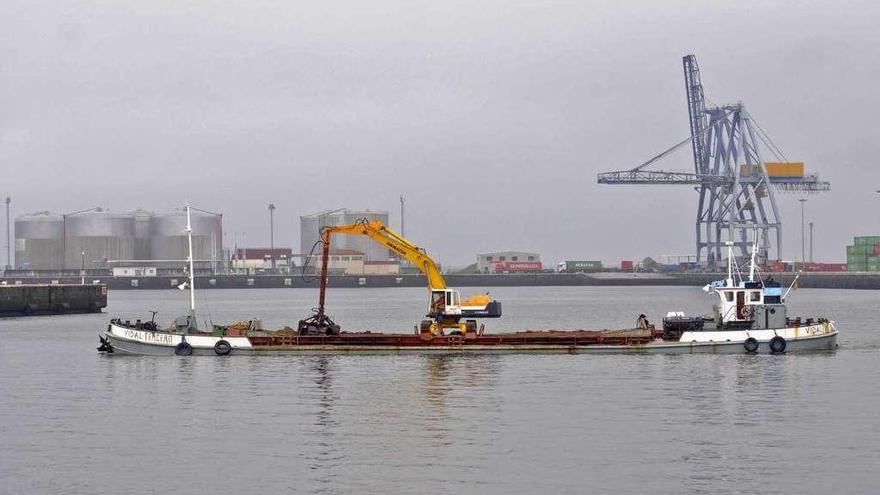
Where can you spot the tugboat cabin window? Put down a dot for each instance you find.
(755, 296)
(729, 296)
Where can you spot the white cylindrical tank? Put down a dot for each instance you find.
(39, 241)
(168, 239)
(97, 236)
(311, 225)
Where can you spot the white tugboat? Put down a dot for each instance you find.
(182, 339)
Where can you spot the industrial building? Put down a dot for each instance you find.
(509, 261)
(350, 262)
(100, 239)
(311, 225)
(261, 259)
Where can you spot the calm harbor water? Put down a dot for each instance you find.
(74, 421)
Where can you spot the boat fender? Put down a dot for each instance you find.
(751, 345)
(777, 345)
(222, 347)
(183, 349)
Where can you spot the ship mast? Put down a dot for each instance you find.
(192, 280)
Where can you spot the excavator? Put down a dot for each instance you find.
(447, 313)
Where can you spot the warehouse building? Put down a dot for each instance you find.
(509, 262)
(311, 225)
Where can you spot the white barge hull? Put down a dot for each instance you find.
(817, 337)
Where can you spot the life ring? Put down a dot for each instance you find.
(777, 345)
(751, 345)
(183, 349)
(222, 347)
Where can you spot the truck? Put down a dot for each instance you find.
(578, 266)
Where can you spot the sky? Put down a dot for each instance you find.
(492, 118)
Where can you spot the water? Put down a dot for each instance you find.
(74, 421)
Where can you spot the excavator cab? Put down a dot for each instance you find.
(445, 302)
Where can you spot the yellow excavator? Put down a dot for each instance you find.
(447, 313)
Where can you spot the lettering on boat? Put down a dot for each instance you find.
(156, 338)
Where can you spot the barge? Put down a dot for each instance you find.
(51, 299)
(749, 317)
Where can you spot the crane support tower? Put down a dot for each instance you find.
(736, 186)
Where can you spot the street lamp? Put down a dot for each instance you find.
(811, 242)
(803, 233)
(272, 236)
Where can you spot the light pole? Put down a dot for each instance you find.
(803, 233)
(272, 236)
(811, 242)
(82, 272)
(8, 238)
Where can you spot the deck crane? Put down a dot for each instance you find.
(735, 185)
(446, 310)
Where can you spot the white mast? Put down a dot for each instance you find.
(192, 275)
(754, 250)
(729, 264)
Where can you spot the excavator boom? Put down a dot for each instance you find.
(387, 237)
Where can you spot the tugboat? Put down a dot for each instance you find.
(183, 338)
(749, 315)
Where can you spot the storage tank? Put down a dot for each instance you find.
(39, 241)
(142, 223)
(311, 225)
(100, 234)
(168, 239)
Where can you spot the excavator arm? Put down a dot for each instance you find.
(383, 235)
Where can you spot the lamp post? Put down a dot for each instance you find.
(803, 232)
(272, 236)
(8, 238)
(811, 242)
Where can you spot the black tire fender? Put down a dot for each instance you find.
(222, 347)
(777, 345)
(183, 349)
(751, 345)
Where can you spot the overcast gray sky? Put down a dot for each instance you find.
(491, 117)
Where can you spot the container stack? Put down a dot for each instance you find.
(864, 254)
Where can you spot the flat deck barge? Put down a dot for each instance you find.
(51, 299)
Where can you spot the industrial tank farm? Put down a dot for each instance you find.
(98, 237)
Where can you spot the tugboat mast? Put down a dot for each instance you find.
(192, 280)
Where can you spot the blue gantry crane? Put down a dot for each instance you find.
(735, 185)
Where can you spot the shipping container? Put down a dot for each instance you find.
(583, 266)
(785, 169)
(517, 266)
(866, 240)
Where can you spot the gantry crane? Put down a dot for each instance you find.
(446, 310)
(736, 192)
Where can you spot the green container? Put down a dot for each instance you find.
(867, 240)
(583, 266)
